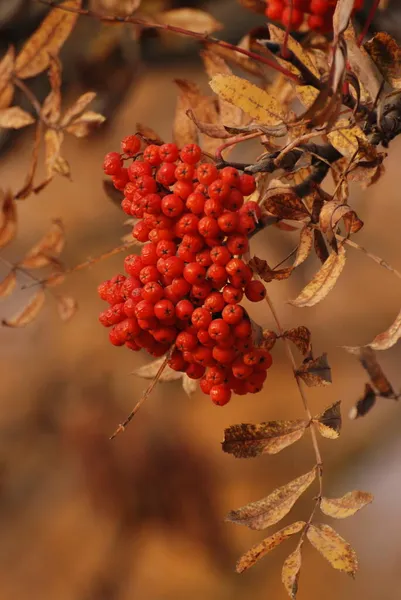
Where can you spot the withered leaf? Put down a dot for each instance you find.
(301, 337)
(85, 124)
(348, 505)
(148, 134)
(342, 15)
(285, 204)
(291, 571)
(333, 547)
(55, 163)
(388, 338)
(304, 247)
(150, 371)
(29, 313)
(329, 421)
(320, 247)
(315, 371)
(47, 39)
(254, 101)
(52, 105)
(269, 339)
(7, 286)
(368, 359)
(15, 118)
(364, 404)
(66, 307)
(261, 267)
(331, 214)
(47, 249)
(386, 54)
(362, 66)
(77, 108)
(6, 71)
(8, 222)
(260, 550)
(190, 18)
(270, 510)
(214, 130)
(345, 138)
(323, 282)
(246, 440)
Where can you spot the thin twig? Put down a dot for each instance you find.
(178, 30)
(235, 140)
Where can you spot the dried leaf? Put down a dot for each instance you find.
(329, 422)
(8, 223)
(6, 71)
(55, 163)
(331, 214)
(261, 267)
(301, 337)
(7, 286)
(85, 124)
(333, 547)
(341, 17)
(285, 204)
(367, 357)
(386, 53)
(260, 550)
(29, 313)
(189, 97)
(320, 247)
(15, 118)
(189, 385)
(387, 339)
(346, 139)
(47, 39)
(304, 247)
(47, 249)
(270, 510)
(190, 18)
(66, 307)
(315, 371)
(77, 108)
(348, 505)
(364, 404)
(254, 101)
(214, 130)
(290, 572)
(247, 440)
(52, 105)
(148, 134)
(323, 282)
(150, 371)
(363, 67)
(269, 338)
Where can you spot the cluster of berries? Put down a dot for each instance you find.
(320, 13)
(185, 287)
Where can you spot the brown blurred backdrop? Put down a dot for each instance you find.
(82, 518)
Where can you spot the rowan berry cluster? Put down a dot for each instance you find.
(320, 13)
(182, 293)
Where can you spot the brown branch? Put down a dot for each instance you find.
(204, 38)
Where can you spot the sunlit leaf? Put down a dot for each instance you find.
(7, 286)
(85, 124)
(329, 422)
(301, 337)
(29, 313)
(247, 440)
(315, 371)
(150, 371)
(290, 572)
(77, 108)
(333, 547)
(15, 118)
(6, 71)
(348, 505)
(55, 163)
(386, 54)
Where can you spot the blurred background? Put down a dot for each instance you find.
(82, 518)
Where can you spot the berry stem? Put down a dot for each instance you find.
(178, 30)
(235, 140)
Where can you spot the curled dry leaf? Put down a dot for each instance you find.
(368, 360)
(333, 547)
(388, 338)
(348, 505)
(386, 54)
(150, 371)
(331, 214)
(66, 307)
(85, 124)
(55, 163)
(363, 67)
(6, 72)
(46, 40)
(148, 134)
(315, 371)
(29, 313)
(8, 222)
(285, 204)
(290, 572)
(346, 139)
(261, 268)
(323, 282)
(341, 17)
(304, 247)
(52, 105)
(47, 249)
(364, 404)
(15, 118)
(301, 337)
(260, 550)
(77, 108)
(248, 440)
(270, 510)
(329, 422)
(213, 130)
(269, 338)
(7, 286)
(190, 18)
(254, 101)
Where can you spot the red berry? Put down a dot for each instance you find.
(151, 155)
(201, 290)
(165, 248)
(184, 172)
(112, 163)
(148, 254)
(204, 338)
(183, 189)
(138, 169)
(246, 224)
(114, 338)
(188, 224)
(121, 180)
(216, 374)
(166, 174)
(218, 329)
(165, 335)
(195, 371)
(177, 362)
(131, 145)
(232, 295)
(164, 309)
(172, 206)
(220, 255)
(247, 183)
(233, 314)
(152, 291)
(201, 318)
(243, 329)
(203, 356)
(140, 232)
(168, 153)
(236, 266)
(194, 273)
(191, 153)
(231, 176)
(206, 173)
(234, 200)
(213, 208)
(220, 394)
(219, 190)
(228, 222)
(151, 204)
(292, 19)
(184, 310)
(149, 273)
(180, 286)
(205, 385)
(217, 275)
(126, 205)
(255, 291)
(208, 227)
(195, 203)
(204, 258)
(186, 341)
(319, 7)
(240, 369)
(224, 356)
(274, 10)
(215, 302)
(238, 244)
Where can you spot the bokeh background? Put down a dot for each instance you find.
(82, 518)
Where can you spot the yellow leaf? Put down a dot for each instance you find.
(305, 246)
(29, 313)
(329, 421)
(15, 118)
(345, 139)
(47, 39)
(388, 338)
(254, 101)
(315, 371)
(290, 572)
(6, 71)
(77, 108)
(348, 505)
(248, 440)
(55, 163)
(52, 105)
(333, 547)
(260, 550)
(8, 284)
(190, 18)
(323, 282)
(85, 124)
(270, 510)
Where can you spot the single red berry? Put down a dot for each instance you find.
(180, 286)
(148, 254)
(244, 345)
(195, 203)
(166, 174)
(232, 295)
(194, 273)
(191, 153)
(234, 200)
(129, 285)
(201, 290)
(186, 254)
(149, 273)
(219, 190)
(140, 232)
(151, 155)
(216, 374)
(131, 145)
(138, 169)
(265, 359)
(151, 203)
(228, 222)
(255, 382)
(243, 329)
(240, 369)
(220, 255)
(247, 183)
(208, 227)
(144, 310)
(164, 309)
(121, 180)
(186, 341)
(168, 152)
(255, 291)
(231, 176)
(206, 173)
(172, 206)
(217, 274)
(183, 189)
(238, 244)
(165, 248)
(204, 258)
(127, 330)
(224, 356)
(319, 7)
(132, 346)
(130, 190)
(220, 394)
(171, 295)
(177, 362)
(205, 385)
(218, 329)
(114, 337)
(184, 309)
(215, 302)
(173, 266)
(187, 224)
(233, 314)
(213, 208)
(126, 204)
(292, 19)
(112, 163)
(203, 356)
(195, 371)
(274, 10)
(152, 292)
(236, 266)
(247, 224)
(184, 172)
(165, 335)
(201, 318)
